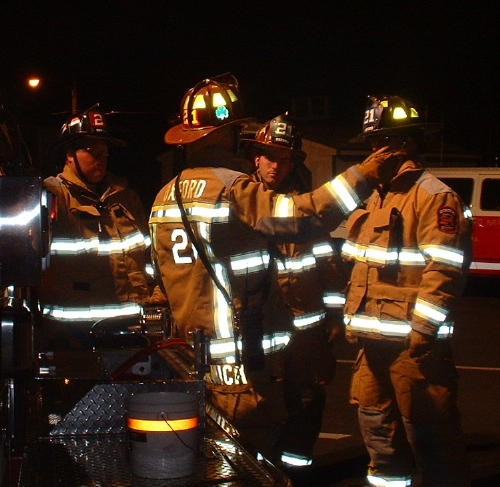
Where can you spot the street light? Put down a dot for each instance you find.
(33, 82)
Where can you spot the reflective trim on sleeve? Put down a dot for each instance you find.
(295, 459)
(389, 481)
(394, 328)
(323, 249)
(305, 261)
(333, 300)
(308, 320)
(343, 193)
(296, 265)
(275, 341)
(431, 312)
(444, 254)
(284, 206)
(249, 262)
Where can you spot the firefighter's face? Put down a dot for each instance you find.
(394, 142)
(93, 161)
(274, 166)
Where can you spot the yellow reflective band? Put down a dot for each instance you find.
(379, 481)
(249, 262)
(170, 213)
(340, 189)
(333, 300)
(162, 424)
(296, 265)
(79, 246)
(396, 328)
(322, 249)
(430, 311)
(444, 254)
(305, 321)
(284, 206)
(295, 459)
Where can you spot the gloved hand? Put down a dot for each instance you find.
(156, 298)
(335, 328)
(419, 343)
(350, 338)
(336, 332)
(381, 166)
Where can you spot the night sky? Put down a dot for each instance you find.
(143, 55)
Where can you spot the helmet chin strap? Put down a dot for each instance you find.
(179, 158)
(79, 170)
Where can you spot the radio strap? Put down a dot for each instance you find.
(204, 258)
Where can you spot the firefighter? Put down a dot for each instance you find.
(208, 226)
(410, 251)
(100, 235)
(312, 278)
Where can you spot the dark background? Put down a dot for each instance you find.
(141, 56)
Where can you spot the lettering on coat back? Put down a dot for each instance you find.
(190, 189)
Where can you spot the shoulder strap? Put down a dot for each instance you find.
(199, 247)
(204, 258)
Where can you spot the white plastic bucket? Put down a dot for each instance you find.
(163, 430)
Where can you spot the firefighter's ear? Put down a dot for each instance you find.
(69, 157)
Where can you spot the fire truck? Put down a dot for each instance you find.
(479, 187)
(65, 415)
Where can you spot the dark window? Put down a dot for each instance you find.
(490, 194)
(463, 186)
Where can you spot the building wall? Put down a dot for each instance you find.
(320, 159)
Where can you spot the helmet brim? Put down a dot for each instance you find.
(180, 135)
(253, 146)
(425, 129)
(70, 140)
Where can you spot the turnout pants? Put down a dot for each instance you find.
(408, 415)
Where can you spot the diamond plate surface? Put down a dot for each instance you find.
(103, 409)
(103, 461)
(79, 436)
